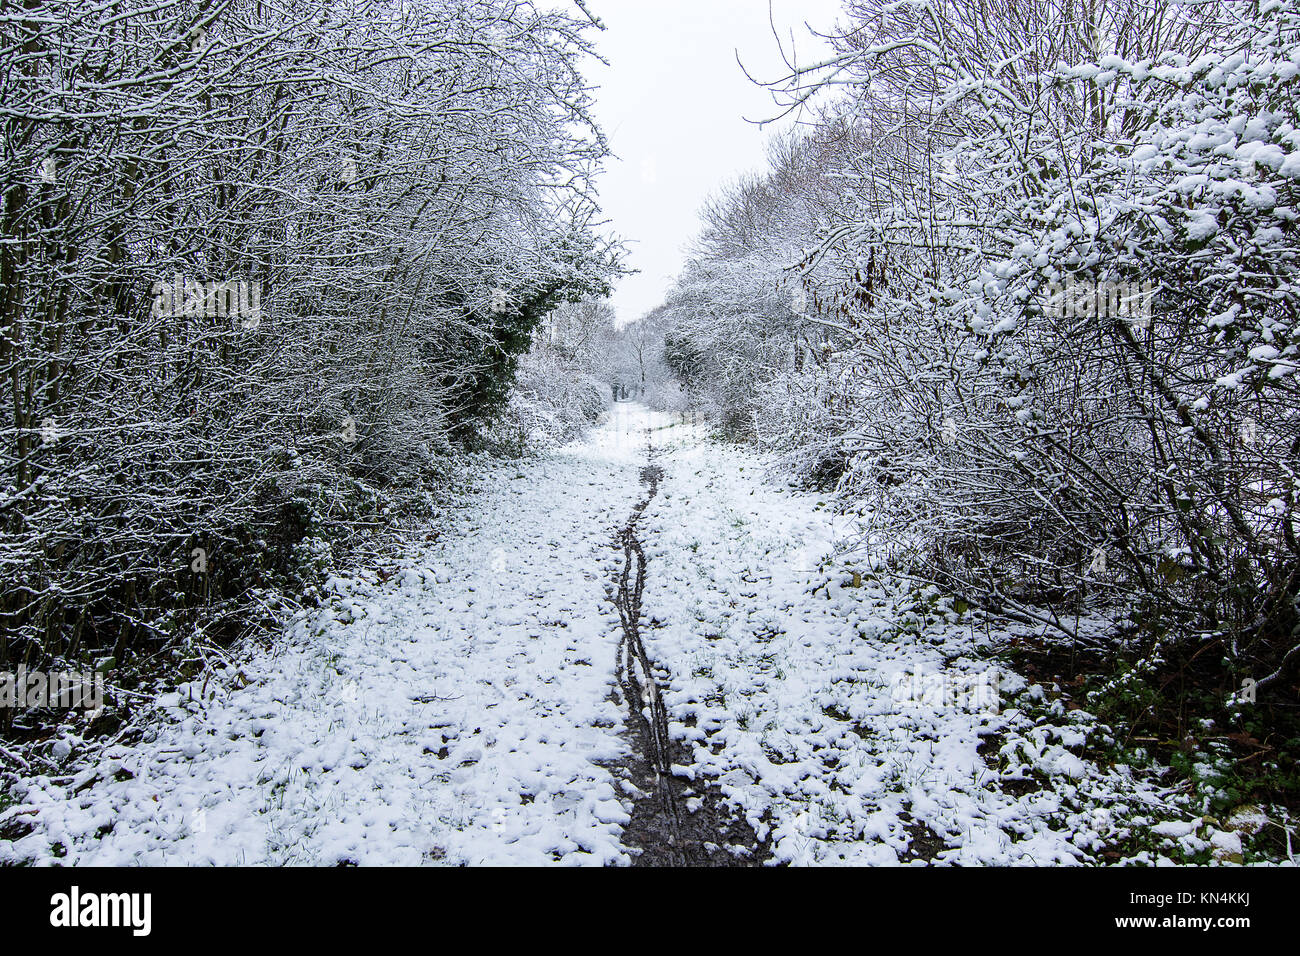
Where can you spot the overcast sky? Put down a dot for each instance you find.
(674, 104)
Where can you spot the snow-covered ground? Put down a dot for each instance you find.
(459, 709)
(845, 721)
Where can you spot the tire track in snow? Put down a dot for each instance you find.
(631, 650)
(671, 824)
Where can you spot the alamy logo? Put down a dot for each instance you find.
(1249, 692)
(50, 431)
(970, 692)
(63, 689)
(799, 300)
(949, 433)
(1116, 300)
(193, 299)
(74, 909)
(348, 171)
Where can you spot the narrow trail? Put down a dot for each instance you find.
(673, 824)
(631, 652)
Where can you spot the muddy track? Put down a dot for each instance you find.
(673, 823)
(632, 656)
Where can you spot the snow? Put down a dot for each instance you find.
(458, 708)
(456, 713)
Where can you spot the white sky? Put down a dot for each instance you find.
(674, 104)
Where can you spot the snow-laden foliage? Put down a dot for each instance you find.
(256, 263)
(564, 382)
(1045, 311)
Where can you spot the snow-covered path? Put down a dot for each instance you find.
(459, 711)
(463, 709)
